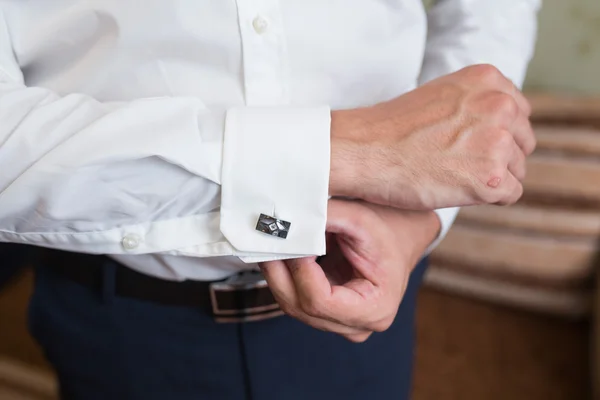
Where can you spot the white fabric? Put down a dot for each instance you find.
(158, 132)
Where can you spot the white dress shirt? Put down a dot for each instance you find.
(157, 131)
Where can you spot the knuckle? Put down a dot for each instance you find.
(504, 104)
(530, 145)
(520, 192)
(508, 196)
(521, 172)
(516, 194)
(312, 307)
(382, 325)
(501, 141)
(528, 108)
(486, 72)
(491, 196)
(358, 338)
(533, 142)
(288, 310)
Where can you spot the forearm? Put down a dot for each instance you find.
(347, 178)
(347, 165)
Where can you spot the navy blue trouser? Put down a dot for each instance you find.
(108, 347)
(12, 258)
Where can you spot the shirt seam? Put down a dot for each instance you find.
(116, 230)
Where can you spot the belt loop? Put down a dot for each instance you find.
(109, 278)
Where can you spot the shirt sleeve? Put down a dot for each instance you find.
(468, 32)
(158, 174)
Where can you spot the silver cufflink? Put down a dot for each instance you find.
(273, 226)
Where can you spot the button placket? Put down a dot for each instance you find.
(263, 46)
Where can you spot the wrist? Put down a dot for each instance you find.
(424, 228)
(432, 228)
(347, 166)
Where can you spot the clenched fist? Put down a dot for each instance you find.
(459, 140)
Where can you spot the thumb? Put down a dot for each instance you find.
(348, 219)
(310, 280)
(360, 235)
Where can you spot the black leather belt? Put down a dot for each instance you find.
(241, 298)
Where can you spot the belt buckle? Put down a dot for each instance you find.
(243, 298)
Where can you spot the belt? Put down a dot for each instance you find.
(241, 298)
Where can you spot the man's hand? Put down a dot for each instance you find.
(360, 283)
(459, 140)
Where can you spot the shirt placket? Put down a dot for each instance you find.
(264, 52)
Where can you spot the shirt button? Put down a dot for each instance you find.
(130, 241)
(260, 24)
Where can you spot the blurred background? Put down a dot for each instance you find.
(509, 306)
(567, 57)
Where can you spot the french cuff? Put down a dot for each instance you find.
(276, 163)
(447, 217)
(253, 259)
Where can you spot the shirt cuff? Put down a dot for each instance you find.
(276, 162)
(447, 217)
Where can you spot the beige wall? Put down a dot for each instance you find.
(567, 57)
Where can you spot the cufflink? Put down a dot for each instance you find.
(273, 226)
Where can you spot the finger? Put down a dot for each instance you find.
(523, 133)
(513, 189)
(317, 298)
(361, 242)
(335, 266)
(339, 304)
(498, 81)
(358, 338)
(524, 104)
(507, 86)
(280, 283)
(355, 227)
(341, 267)
(517, 164)
(334, 327)
(282, 286)
(311, 284)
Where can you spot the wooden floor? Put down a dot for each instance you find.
(15, 341)
(466, 350)
(473, 351)
(24, 375)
